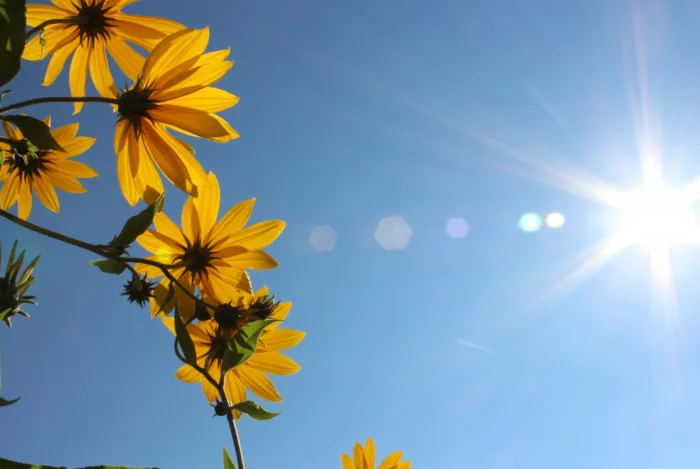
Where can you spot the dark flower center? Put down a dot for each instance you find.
(134, 105)
(197, 257)
(93, 20)
(29, 163)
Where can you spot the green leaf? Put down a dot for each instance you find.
(34, 130)
(242, 345)
(183, 337)
(109, 266)
(37, 133)
(5, 402)
(4, 313)
(13, 21)
(168, 298)
(138, 224)
(228, 464)
(254, 410)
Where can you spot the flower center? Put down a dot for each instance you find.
(198, 258)
(134, 105)
(92, 20)
(217, 347)
(28, 163)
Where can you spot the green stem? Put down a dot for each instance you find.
(59, 99)
(51, 234)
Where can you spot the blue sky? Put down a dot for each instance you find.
(355, 111)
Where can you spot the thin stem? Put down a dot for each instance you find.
(51, 234)
(231, 423)
(36, 29)
(59, 99)
(9, 141)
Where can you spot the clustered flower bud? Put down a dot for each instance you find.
(220, 408)
(138, 290)
(201, 312)
(229, 316)
(13, 286)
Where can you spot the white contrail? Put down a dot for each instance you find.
(476, 346)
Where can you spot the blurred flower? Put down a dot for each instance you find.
(364, 458)
(91, 29)
(13, 286)
(213, 255)
(172, 91)
(210, 342)
(25, 171)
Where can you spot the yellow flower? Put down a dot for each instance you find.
(92, 28)
(24, 174)
(210, 342)
(215, 254)
(172, 91)
(364, 458)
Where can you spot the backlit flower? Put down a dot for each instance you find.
(25, 173)
(93, 28)
(171, 92)
(213, 255)
(210, 342)
(364, 458)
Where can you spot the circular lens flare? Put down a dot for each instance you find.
(530, 222)
(555, 220)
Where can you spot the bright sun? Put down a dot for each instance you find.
(658, 217)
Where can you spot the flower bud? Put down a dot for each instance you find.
(138, 290)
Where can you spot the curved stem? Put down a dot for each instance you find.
(51, 234)
(59, 99)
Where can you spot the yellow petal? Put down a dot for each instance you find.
(127, 59)
(273, 362)
(77, 169)
(404, 465)
(347, 462)
(234, 220)
(151, 271)
(281, 313)
(66, 5)
(37, 14)
(124, 141)
(391, 460)
(256, 236)
(166, 158)
(188, 374)
(46, 194)
(145, 31)
(235, 391)
(281, 339)
(191, 77)
(11, 131)
(166, 227)
(207, 205)
(77, 146)
(193, 121)
(207, 99)
(209, 391)
(9, 193)
(258, 383)
(359, 457)
(157, 305)
(258, 259)
(190, 220)
(78, 74)
(369, 452)
(66, 183)
(99, 71)
(173, 50)
(24, 205)
(195, 331)
(158, 244)
(65, 133)
(148, 181)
